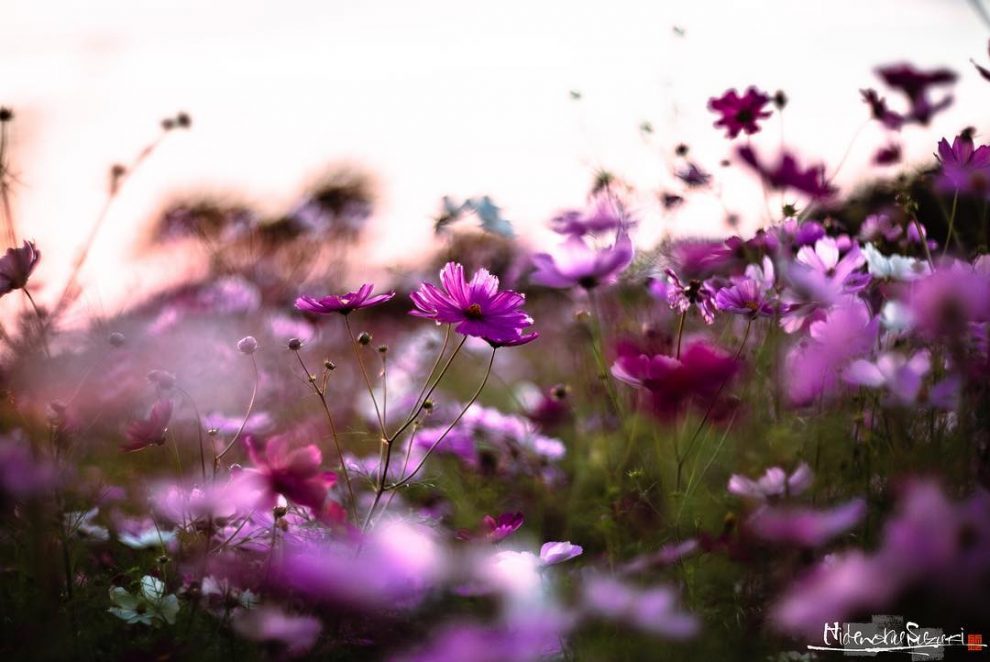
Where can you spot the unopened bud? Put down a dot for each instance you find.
(329, 365)
(116, 339)
(364, 338)
(383, 349)
(295, 344)
(247, 345)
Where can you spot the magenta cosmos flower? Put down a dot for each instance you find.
(293, 473)
(788, 174)
(344, 304)
(16, 266)
(476, 308)
(576, 263)
(149, 431)
(740, 113)
(964, 168)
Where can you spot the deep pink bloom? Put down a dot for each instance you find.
(343, 303)
(702, 372)
(477, 308)
(880, 111)
(16, 266)
(293, 473)
(788, 174)
(888, 155)
(577, 263)
(740, 113)
(501, 527)
(149, 431)
(965, 168)
(805, 527)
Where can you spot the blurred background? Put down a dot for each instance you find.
(521, 101)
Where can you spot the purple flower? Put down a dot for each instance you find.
(654, 610)
(812, 367)
(944, 303)
(805, 527)
(819, 279)
(681, 297)
(552, 553)
(576, 263)
(149, 431)
(914, 83)
(774, 482)
(344, 304)
(501, 527)
(477, 308)
(880, 111)
(903, 378)
(693, 176)
(16, 266)
(740, 113)
(605, 215)
(788, 174)
(964, 168)
(745, 297)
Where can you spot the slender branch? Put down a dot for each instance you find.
(418, 408)
(450, 427)
(42, 327)
(247, 415)
(199, 428)
(364, 373)
(321, 394)
(952, 223)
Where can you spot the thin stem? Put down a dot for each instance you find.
(321, 394)
(364, 373)
(419, 407)
(952, 223)
(199, 428)
(477, 393)
(42, 331)
(8, 215)
(247, 415)
(711, 405)
(680, 334)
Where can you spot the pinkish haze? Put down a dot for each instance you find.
(435, 98)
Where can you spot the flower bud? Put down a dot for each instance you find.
(364, 338)
(116, 339)
(329, 365)
(247, 345)
(383, 349)
(295, 344)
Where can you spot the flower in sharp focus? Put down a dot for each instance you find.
(149, 431)
(745, 297)
(740, 113)
(965, 168)
(475, 308)
(344, 304)
(16, 266)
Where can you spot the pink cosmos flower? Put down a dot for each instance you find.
(818, 279)
(149, 431)
(740, 113)
(773, 483)
(605, 215)
(476, 308)
(654, 610)
(344, 304)
(576, 263)
(914, 84)
(700, 373)
(501, 527)
(681, 297)
(16, 266)
(965, 168)
(805, 527)
(745, 297)
(903, 378)
(788, 174)
(293, 473)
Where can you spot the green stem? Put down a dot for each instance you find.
(952, 223)
(356, 346)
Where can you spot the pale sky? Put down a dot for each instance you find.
(435, 97)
